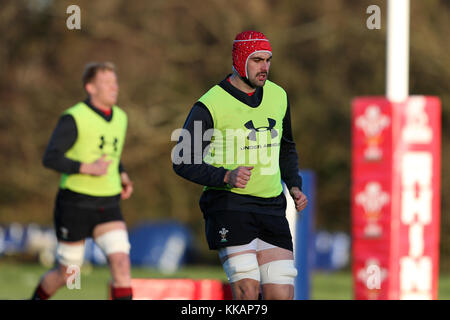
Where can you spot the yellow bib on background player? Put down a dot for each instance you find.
(96, 137)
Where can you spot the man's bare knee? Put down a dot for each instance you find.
(245, 289)
(278, 292)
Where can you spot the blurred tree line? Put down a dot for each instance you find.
(168, 53)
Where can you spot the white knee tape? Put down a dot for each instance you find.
(278, 272)
(243, 266)
(69, 255)
(114, 241)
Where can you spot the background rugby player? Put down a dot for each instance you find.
(86, 147)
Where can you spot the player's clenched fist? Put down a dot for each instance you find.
(299, 197)
(238, 177)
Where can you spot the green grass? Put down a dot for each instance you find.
(18, 280)
(331, 286)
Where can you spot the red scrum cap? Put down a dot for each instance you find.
(245, 44)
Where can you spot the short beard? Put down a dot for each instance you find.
(253, 85)
(247, 82)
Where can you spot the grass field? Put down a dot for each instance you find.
(17, 281)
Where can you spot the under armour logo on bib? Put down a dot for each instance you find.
(252, 134)
(103, 142)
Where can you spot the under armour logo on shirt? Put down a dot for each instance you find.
(103, 142)
(252, 134)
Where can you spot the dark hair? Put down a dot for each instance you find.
(91, 69)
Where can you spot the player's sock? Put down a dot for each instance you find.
(124, 293)
(40, 294)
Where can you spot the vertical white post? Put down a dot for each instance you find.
(397, 66)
